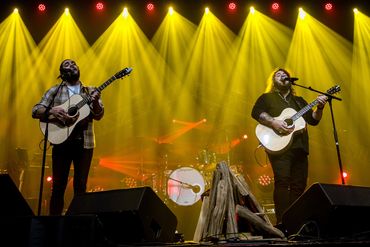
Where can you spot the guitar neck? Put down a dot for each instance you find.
(86, 98)
(304, 110)
(105, 84)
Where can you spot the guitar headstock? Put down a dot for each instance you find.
(334, 89)
(122, 73)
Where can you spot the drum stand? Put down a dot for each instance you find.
(228, 148)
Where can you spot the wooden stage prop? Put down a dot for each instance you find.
(231, 212)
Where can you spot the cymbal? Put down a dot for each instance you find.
(207, 167)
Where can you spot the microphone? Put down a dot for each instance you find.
(195, 188)
(291, 79)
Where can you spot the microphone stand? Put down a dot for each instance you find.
(193, 187)
(46, 135)
(330, 98)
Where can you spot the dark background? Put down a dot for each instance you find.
(93, 23)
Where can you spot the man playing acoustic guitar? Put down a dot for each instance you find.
(78, 142)
(290, 164)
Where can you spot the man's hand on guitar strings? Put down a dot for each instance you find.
(281, 127)
(61, 114)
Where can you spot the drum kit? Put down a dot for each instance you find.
(185, 184)
(176, 177)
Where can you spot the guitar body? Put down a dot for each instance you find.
(58, 132)
(78, 108)
(272, 141)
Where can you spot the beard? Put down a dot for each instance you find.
(71, 76)
(282, 87)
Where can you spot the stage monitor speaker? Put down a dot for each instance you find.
(12, 202)
(330, 211)
(128, 215)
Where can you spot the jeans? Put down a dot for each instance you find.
(290, 175)
(63, 155)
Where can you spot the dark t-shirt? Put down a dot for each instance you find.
(274, 103)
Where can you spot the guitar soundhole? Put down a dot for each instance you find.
(289, 121)
(72, 111)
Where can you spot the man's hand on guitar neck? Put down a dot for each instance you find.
(321, 101)
(95, 96)
(281, 127)
(94, 99)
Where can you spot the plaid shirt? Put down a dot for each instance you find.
(62, 96)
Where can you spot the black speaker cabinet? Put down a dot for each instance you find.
(128, 215)
(331, 211)
(15, 214)
(12, 202)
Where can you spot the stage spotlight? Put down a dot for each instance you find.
(129, 182)
(265, 183)
(170, 10)
(125, 12)
(232, 6)
(99, 6)
(41, 7)
(355, 10)
(264, 180)
(66, 11)
(150, 7)
(49, 179)
(15, 11)
(275, 6)
(329, 6)
(252, 10)
(302, 14)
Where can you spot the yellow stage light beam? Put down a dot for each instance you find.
(138, 96)
(17, 95)
(261, 46)
(64, 40)
(204, 76)
(172, 41)
(321, 58)
(319, 53)
(358, 100)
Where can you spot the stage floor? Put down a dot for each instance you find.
(264, 242)
(87, 231)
